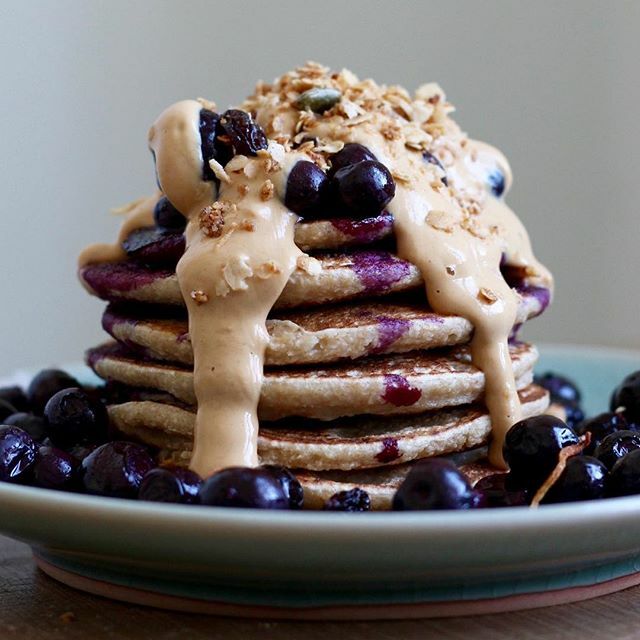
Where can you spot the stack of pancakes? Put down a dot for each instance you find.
(361, 378)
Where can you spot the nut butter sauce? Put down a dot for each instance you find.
(237, 261)
(138, 214)
(241, 252)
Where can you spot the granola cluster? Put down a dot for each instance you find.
(406, 125)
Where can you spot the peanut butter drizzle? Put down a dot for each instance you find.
(138, 214)
(237, 261)
(455, 235)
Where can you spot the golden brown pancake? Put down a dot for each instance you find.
(384, 385)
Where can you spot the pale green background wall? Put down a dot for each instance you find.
(555, 85)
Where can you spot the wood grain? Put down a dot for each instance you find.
(32, 606)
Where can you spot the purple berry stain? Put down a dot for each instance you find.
(389, 330)
(378, 270)
(367, 230)
(398, 391)
(107, 280)
(541, 294)
(390, 451)
(513, 336)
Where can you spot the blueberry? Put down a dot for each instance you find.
(166, 216)
(616, 446)
(600, 427)
(80, 451)
(116, 469)
(532, 446)
(290, 485)
(496, 182)
(242, 133)
(55, 469)
(6, 409)
(365, 188)
(434, 484)
(350, 154)
(15, 396)
(244, 487)
(170, 484)
(624, 479)
(498, 492)
(209, 121)
(306, 187)
(17, 454)
(627, 395)
(431, 159)
(45, 384)
(561, 389)
(583, 478)
(35, 426)
(574, 414)
(353, 501)
(73, 416)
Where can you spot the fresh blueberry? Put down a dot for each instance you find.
(353, 501)
(116, 469)
(290, 485)
(35, 426)
(600, 427)
(170, 484)
(365, 188)
(245, 488)
(80, 451)
(560, 388)
(17, 454)
(496, 182)
(15, 396)
(574, 414)
(624, 479)
(73, 416)
(616, 446)
(627, 395)
(531, 448)
(431, 159)
(498, 492)
(45, 384)
(240, 131)
(435, 484)
(155, 245)
(166, 216)
(209, 121)
(583, 478)
(306, 187)
(6, 410)
(350, 154)
(55, 469)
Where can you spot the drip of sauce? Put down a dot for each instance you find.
(138, 214)
(230, 280)
(456, 235)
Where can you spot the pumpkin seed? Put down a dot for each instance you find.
(318, 99)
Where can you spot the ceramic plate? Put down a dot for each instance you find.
(333, 565)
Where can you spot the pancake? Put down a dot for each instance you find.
(385, 385)
(162, 246)
(325, 279)
(349, 443)
(347, 331)
(382, 483)
(320, 280)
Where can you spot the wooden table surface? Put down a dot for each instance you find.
(33, 605)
